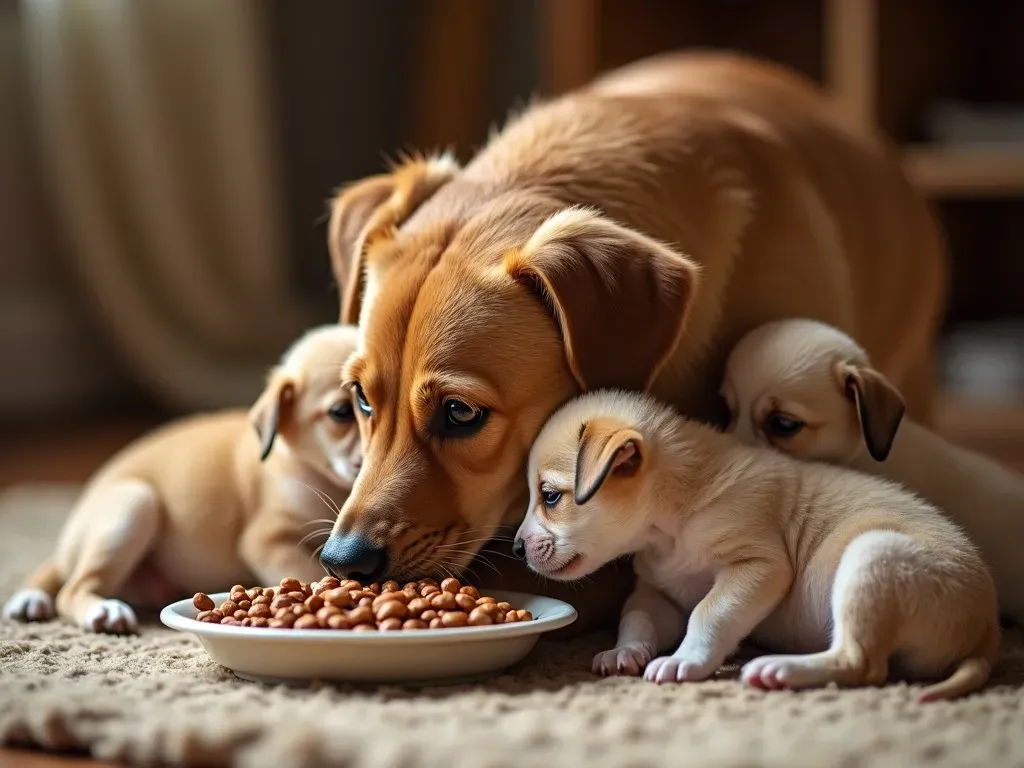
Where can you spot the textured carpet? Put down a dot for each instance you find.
(158, 698)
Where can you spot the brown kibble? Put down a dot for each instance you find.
(326, 612)
(314, 603)
(291, 585)
(279, 624)
(218, 613)
(361, 615)
(499, 617)
(269, 593)
(230, 621)
(511, 618)
(203, 602)
(479, 618)
(415, 624)
(392, 609)
(238, 589)
(503, 606)
(260, 611)
(228, 607)
(338, 621)
(429, 590)
(261, 600)
(358, 595)
(298, 596)
(490, 610)
(259, 621)
(428, 581)
(253, 593)
(364, 628)
(389, 625)
(280, 602)
(454, 619)
(288, 618)
(307, 589)
(240, 615)
(429, 615)
(451, 585)
(308, 621)
(246, 622)
(443, 601)
(485, 600)
(525, 616)
(375, 588)
(366, 601)
(465, 602)
(326, 584)
(351, 585)
(435, 623)
(389, 586)
(208, 617)
(418, 606)
(471, 591)
(337, 597)
(245, 604)
(411, 585)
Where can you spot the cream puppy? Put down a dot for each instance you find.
(209, 501)
(849, 573)
(809, 390)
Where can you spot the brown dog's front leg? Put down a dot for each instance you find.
(598, 599)
(270, 548)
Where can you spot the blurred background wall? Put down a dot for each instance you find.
(164, 165)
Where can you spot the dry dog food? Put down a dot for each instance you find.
(346, 604)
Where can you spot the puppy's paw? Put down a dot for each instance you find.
(29, 605)
(110, 616)
(811, 671)
(679, 669)
(629, 659)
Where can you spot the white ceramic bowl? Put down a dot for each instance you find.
(408, 656)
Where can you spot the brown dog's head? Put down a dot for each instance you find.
(808, 389)
(477, 319)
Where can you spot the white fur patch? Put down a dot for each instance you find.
(111, 616)
(29, 605)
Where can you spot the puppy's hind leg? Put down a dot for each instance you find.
(867, 614)
(123, 524)
(34, 601)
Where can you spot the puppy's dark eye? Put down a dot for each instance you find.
(342, 412)
(550, 497)
(362, 402)
(781, 425)
(461, 418)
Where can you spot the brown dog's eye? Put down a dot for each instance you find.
(782, 426)
(342, 413)
(460, 419)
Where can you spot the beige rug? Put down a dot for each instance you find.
(158, 698)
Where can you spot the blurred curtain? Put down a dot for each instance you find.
(157, 132)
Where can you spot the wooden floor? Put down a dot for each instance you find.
(69, 454)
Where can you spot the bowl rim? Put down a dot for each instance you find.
(180, 615)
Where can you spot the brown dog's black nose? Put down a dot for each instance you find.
(354, 557)
(519, 548)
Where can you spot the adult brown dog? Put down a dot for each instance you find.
(625, 236)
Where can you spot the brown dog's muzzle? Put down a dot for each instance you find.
(353, 556)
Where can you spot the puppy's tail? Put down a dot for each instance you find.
(970, 676)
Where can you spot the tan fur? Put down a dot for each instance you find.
(192, 507)
(623, 235)
(849, 574)
(804, 368)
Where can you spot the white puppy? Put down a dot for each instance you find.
(848, 571)
(809, 390)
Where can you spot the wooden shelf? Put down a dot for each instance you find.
(946, 171)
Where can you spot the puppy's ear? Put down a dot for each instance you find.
(271, 410)
(879, 404)
(620, 297)
(373, 208)
(606, 449)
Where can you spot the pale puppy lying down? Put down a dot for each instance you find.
(809, 390)
(852, 575)
(209, 501)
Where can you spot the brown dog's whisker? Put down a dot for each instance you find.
(310, 536)
(327, 500)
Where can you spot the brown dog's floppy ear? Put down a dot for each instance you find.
(271, 410)
(372, 208)
(620, 297)
(880, 406)
(606, 448)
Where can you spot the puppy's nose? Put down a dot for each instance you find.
(354, 557)
(519, 549)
